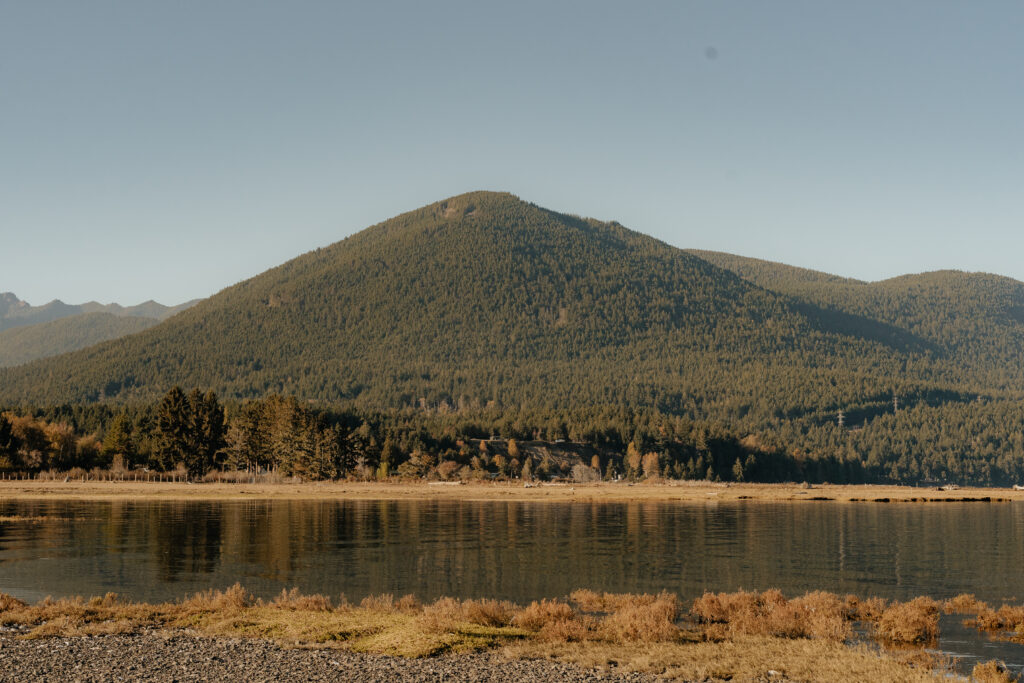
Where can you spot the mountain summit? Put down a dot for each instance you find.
(481, 297)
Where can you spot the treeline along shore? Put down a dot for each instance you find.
(194, 436)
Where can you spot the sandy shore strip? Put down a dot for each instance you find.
(497, 491)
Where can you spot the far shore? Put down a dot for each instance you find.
(682, 491)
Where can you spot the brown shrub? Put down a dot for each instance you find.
(442, 614)
(1006, 618)
(408, 604)
(488, 612)
(824, 615)
(815, 615)
(567, 630)
(591, 601)
(643, 620)
(964, 604)
(911, 622)
(588, 600)
(553, 620)
(537, 614)
(378, 603)
(294, 600)
(870, 609)
(446, 614)
(991, 672)
(8, 602)
(230, 599)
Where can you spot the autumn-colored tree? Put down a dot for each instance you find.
(447, 469)
(651, 467)
(527, 472)
(633, 461)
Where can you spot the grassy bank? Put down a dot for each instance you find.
(418, 490)
(725, 636)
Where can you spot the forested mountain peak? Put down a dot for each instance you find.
(9, 302)
(481, 297)
(486, 300)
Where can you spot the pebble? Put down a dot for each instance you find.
(184, 658)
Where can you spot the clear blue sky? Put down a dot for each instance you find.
(169, 149)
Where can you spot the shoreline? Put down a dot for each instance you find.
(588, 636)
(620, 492)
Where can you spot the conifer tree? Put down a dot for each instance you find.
(8, 442)
(173, 440)
(118, 440)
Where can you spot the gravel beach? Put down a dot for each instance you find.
(178, 656)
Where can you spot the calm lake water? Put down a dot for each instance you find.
(520, 551)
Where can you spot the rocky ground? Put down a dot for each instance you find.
(178, 656)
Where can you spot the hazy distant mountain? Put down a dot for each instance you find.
(15, 313)
(30, 342)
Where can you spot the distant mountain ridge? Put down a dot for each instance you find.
(15, 312)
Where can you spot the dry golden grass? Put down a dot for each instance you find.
(296, 601)
(868, 609)
(913, 622)
(629, 617)
(554, 620)
(541, 613)
(746, 658)
(992, 672)
(1005, 623)
(735, 636)
(448, 614)
(814, 615)
(965, 603)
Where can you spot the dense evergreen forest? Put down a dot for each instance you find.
(412, 342)
(196, 434)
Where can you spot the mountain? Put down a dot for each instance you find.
(16, 313)
(481, 298)
(974, 322)
(484, 313)
(30, 342)
(484, 299)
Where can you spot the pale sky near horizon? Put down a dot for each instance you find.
(168, 150)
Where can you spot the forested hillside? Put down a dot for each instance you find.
(974, 322)
(30, 342)
(485, 298)
(484, 313)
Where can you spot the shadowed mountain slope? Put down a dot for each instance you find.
(972, 321)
